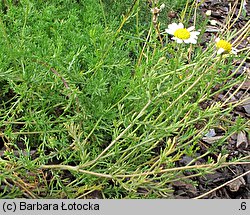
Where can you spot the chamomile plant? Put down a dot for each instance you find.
(94, 105)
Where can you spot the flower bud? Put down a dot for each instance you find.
(208, 13)
(213, 22)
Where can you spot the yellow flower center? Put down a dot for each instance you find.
(225, 45)
(182, 33)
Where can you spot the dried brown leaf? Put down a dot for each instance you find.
(242, 140)
(234, 186)
(212, 139)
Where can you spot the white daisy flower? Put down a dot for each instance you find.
(224, 47)
(181, 34)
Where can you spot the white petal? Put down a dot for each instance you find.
(220, 51)
(180, 25)
(172, 28)
(217, 39)
(194, 33)
(191, 40)
(193, 37)
(191, 28)
(179, 40)
(169, 31)
(187, 41)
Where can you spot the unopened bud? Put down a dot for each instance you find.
(209, 12)
(162, 6)
(213, 22)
